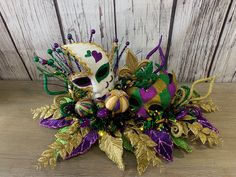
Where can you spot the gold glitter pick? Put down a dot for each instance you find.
(204, 134)
(144, 151)
(113, 148)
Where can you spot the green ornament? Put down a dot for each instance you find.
(36, 59)
(58, 50)
(49, 51)
(50, 62)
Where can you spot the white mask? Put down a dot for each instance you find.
(97, 71)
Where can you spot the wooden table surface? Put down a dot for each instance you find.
(22, 140)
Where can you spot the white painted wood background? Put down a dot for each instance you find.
(199, 36)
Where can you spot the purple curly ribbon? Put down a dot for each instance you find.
(163, 58)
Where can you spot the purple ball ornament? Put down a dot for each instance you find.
(93, 31)
(55, 45)
(44, 62)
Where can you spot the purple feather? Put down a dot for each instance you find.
(164, 143)
(85, 145)
(55, 123)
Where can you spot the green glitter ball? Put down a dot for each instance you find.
(58, 50)
(50, 62)
(36, 59)
(49, 51)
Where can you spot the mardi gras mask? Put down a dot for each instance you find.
(97, 72)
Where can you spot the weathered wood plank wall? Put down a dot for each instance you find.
(198, 36)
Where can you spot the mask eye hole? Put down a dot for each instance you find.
(82, 81)
(102, 72)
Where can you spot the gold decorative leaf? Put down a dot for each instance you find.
(202, 137)
(197, 125)
(207, 106)
(42, 112)
(63, 136)
(68, 138)
(148, 141)
(204, 134)
(49, 113)
(57, 114)
(185, 128)
(144, 150)
(113, 148)
(193, 129)
(63, 153)
(206, 131)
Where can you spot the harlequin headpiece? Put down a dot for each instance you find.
(138, 108)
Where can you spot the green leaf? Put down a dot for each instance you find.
(127, 145)
(149, 69)
(139, 74)
(180, 142)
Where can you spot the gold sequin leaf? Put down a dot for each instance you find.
(204, 134)
(50, 111)
(42, 112)
(207, 106)
(113, 148)
(143, 149)
(67, 139)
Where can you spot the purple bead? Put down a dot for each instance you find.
(93, 31)
(56, 45)
(43, 62)
(116, 40)
(102, 113)
(127, 43)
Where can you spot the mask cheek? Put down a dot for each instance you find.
(99, 88)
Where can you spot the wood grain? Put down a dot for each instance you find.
(197, 27)
(142, 23)
(34, 27)
(22, 140)
(11, 65)
(78, 17)
(224, 64)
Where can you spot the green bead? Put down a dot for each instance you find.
(58, 50)
(49, 51)
(50, 62)
(36, 59)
